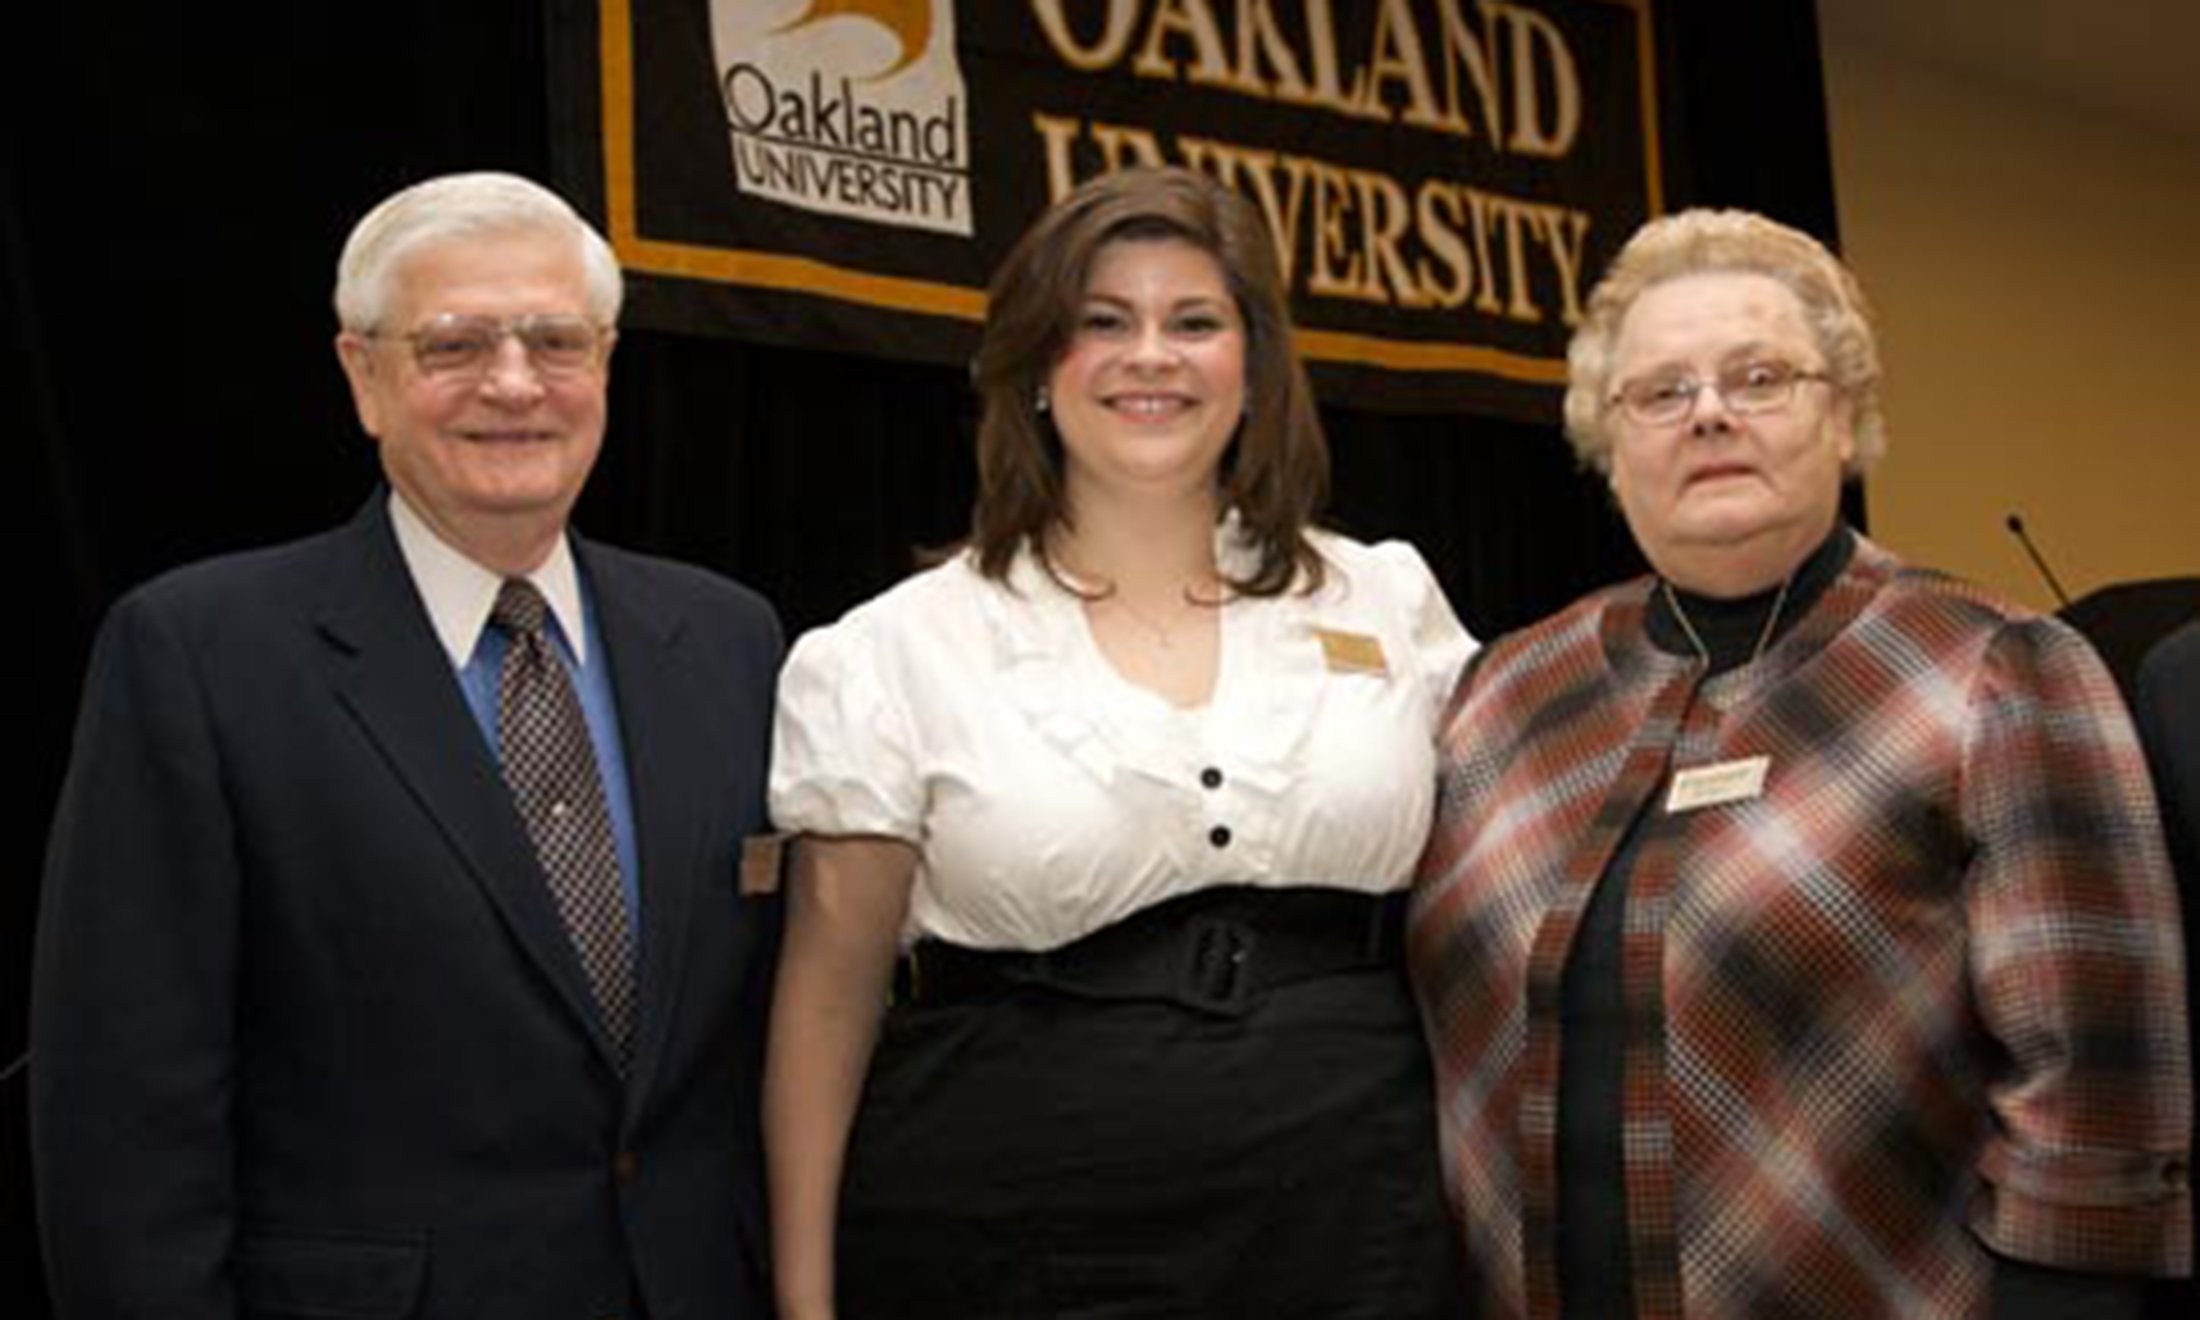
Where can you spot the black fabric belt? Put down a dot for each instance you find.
(1218, 950)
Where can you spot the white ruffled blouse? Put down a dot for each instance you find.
(1048, 796)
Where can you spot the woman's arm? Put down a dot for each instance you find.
(2077, 966)
(846, 904)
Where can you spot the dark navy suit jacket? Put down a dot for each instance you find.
(309, 1038)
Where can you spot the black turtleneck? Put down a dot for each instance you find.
(1731, 628)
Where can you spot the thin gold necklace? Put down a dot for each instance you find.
(1163, 635)
(1703, 652)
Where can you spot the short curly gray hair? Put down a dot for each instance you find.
(463, 206)
(1698, 242)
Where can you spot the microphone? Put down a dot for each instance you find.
(2016, 529)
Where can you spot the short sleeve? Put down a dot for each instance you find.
(1440, 644)
(843, 757)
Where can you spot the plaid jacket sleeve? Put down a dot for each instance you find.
(2076, 965)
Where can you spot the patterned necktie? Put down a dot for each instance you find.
(550, 765)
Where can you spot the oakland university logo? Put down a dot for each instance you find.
(849, 107)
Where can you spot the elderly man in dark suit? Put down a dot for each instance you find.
(394, 957)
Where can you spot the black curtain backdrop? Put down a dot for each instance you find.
(176, 182)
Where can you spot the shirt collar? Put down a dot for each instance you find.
(459, 593)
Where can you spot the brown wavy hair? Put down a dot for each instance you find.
(1275, 473)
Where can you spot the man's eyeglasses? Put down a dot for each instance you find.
(1746, 388)
(466, 345)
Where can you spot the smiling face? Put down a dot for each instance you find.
(491, 459)
(1152, 386)
(1722, 503)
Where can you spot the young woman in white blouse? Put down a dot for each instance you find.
(1119, 802)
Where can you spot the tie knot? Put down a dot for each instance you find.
(520, 609)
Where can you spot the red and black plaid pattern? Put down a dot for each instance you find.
(550, 765)
(1921, 998)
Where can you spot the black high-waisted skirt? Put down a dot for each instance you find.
(1040, 1152)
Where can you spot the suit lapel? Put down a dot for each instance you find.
(650, 679)
(389, 671)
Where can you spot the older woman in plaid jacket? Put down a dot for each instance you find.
(1796, 937)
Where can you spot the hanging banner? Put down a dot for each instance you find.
(1443, 178)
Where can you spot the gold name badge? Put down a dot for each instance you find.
(762, 856)
(1351, 652)
(1711, 785)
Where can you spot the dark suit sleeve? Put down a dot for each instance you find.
(2167, 711)
(133, 993)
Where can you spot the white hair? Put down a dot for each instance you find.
(463, 206)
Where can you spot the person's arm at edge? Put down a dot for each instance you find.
(847, 900)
